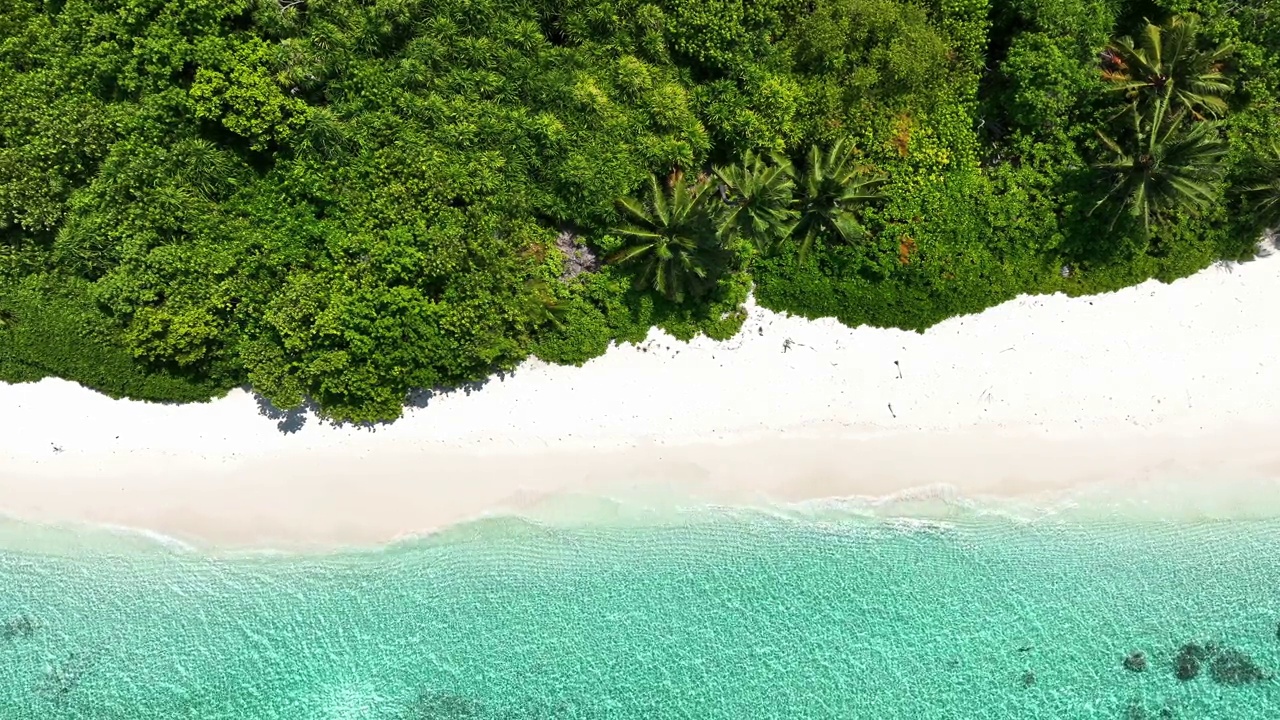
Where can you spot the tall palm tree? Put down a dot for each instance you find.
(1164, 63)
(673, 233)
(831, 188)
(761, 200)
(1165, 164)
(1266, 192)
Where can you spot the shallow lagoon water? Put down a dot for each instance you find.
(709, 614)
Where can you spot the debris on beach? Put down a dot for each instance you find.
(1136, 661)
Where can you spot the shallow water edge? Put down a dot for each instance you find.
(710, 613)
(932, 506)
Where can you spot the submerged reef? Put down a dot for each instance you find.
(61, 678)
(445, 706)
(1186, 664)
(1227, 666)
(1233, 667)
(18, 626)
(1136, 661)
(435, 705)
(1135, 711)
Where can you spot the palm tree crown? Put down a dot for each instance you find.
(832, 186)
(1165, 164)
(761, 197)
(1164, 63)
(674, 233)
(1266, 192)
(541, 306)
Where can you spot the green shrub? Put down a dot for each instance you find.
(347, 200)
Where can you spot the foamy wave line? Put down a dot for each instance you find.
(898, 512)
(936, 508)
(932, 503)
(68, 537)
(168, 542)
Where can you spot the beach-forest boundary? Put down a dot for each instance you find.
(344, 201)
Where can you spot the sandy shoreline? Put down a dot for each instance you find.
(1035, 399)
(331, 498)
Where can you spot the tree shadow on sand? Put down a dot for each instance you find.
(418, 399)
(288, 421)
(291, 420)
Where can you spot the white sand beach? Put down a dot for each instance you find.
(1166, 395)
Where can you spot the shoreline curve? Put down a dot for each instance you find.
(1123, 397)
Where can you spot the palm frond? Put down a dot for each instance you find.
(633, 208)
(672, 232)
(630, 253)
(1166, 165)
(834, 186)
(760, 201)
(658, 199)
(1165, 62)
(1264, 191)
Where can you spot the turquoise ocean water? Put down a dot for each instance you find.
(708, 614)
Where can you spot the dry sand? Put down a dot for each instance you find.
(1158, 399)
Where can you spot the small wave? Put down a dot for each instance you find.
(167, 542)
(935, 508)
(76, 538)
(927, 508)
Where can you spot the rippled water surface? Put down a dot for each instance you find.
(713, 615)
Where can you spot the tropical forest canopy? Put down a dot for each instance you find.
(344, 200)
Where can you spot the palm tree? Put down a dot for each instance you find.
(325, 135)
(203, 166)
(1266, 193)
(761, 200)
(541, 306)
(674, 233)
(832, 188)
(1164, 63)
(1165, 165)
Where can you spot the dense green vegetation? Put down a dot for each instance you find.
(345, 199)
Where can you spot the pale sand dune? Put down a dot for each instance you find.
(1142, 391)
